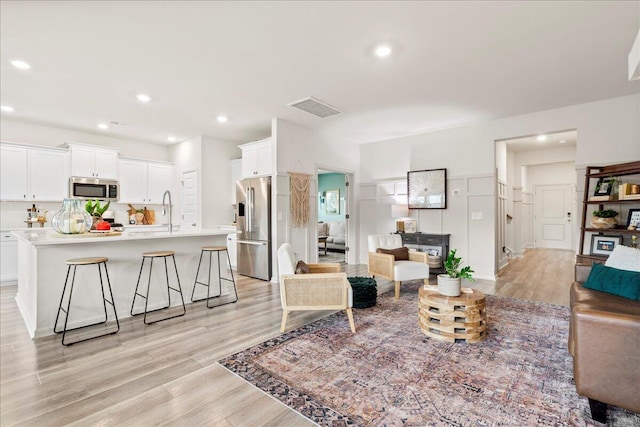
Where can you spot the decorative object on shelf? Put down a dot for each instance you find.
(633, 220)
(332, 202)
(449, 284)
(634, 241)
(604, 219)
(410, 226)
(603, 244)
(605, 186)
(400, 213)
(72, 218)
(427, 189)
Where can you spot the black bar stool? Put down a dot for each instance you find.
(218, 297)
(75, 262)
(151, 256)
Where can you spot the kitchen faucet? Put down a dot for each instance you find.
(164, 208)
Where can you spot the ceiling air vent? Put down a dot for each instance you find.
(315, 107)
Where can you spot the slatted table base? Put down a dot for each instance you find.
(453, 318)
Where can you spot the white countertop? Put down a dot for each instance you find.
(42, 237)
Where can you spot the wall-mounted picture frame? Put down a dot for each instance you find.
(634, 218)
(332, 202)
(603, 244)
(604, 186)
(427, 189)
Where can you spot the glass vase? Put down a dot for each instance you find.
(72, 218)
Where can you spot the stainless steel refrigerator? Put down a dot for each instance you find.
(253, 218)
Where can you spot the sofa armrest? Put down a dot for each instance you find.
(582, 272)
(328, 267)
(381, 265)
(324, 291)
(607, 356)
(418, 256)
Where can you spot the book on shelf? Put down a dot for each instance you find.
(630, 197)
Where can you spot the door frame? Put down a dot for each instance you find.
(351, 222)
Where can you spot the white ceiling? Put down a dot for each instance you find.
(552, 140)
(453, 63)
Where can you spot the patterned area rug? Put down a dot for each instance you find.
(390, 374)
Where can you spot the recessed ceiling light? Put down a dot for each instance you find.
(222, 119)
(541, 138)
(103, 126)
(171, 139)
(7, 108)
(383, 51)
(142, 97)
(562, 141)
(18, 63)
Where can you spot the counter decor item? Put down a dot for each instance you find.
(96, 210)
(449, 284)
(604, 219)
(72, 218)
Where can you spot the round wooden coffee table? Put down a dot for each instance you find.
(453, 318)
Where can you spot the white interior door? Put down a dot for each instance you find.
(190, 220)
(553, 216)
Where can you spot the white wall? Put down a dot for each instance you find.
(28, 133)
(608, 130)
(216, 180)
(302, 150)
(186, 157)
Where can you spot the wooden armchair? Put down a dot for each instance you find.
(386, 266)
(326, 288)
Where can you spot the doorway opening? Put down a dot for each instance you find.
(333, 216)
(536, 194)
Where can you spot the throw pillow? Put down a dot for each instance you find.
(614, 281)
(624, 258)
(302, 268)
(400, 254)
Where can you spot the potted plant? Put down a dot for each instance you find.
(607, 218)
(449, 284)
(96, 210)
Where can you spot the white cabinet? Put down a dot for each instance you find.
(257, 159)
(87, 160)
(144, 182)
(159, 180)
(236, 174)
(8, 257)
(13, 173)
(33, 174)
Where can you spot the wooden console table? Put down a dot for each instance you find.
(453, 318)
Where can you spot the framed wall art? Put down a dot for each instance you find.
(604, 186)
(427, 189)
(603, 245)
(332, 202)
(634, 218)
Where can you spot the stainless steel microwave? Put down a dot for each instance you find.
(93, 188)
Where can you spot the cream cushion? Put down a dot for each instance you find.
(624, 258)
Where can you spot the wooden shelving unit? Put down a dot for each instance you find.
(592, 174)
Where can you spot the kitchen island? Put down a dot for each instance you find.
(42, 271)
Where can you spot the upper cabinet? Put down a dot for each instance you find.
(91, 161)
(33, 174)
(144, 182)
(257, 159)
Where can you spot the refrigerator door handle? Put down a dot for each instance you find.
(252, 242)
(247, 217)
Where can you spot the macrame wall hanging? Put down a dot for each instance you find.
(299, 189)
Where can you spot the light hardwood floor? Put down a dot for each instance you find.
(167, 373)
